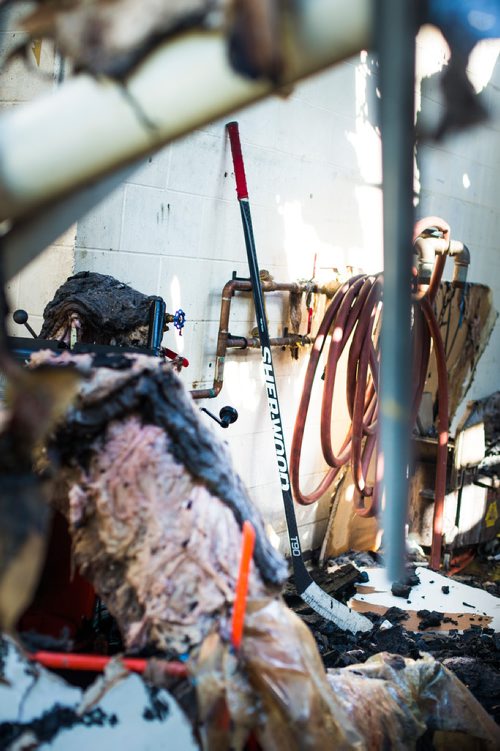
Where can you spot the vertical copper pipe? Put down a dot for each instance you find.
(442, 448)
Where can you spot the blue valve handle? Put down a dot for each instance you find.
(179, 320)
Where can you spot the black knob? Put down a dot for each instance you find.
(227, 415)
(20, 316)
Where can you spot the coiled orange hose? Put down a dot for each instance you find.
(353, 317)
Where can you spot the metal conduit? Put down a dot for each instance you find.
(396, 27)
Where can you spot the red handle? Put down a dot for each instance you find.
(239, 167)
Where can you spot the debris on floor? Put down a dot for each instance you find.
(394, 701)
(459, 606)
(38, 709)
(470, 649)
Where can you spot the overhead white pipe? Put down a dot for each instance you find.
(91, 127)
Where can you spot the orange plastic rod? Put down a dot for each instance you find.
(97, 663)
(240, 599)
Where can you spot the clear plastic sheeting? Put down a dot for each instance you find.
(277, 691)
(276, 688)
(392, 701)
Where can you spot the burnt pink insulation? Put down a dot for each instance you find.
(137, 513)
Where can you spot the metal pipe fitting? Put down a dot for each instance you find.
(430, 243)
(292, 340)
(224, 340)
(461, 255)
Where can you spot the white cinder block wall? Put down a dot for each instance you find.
(174, 229)
(313, 168)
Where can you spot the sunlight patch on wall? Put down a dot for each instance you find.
(366, 138)
(370, 256)
(432, 54)
(301, 241)
(239, 379)
(482, 62)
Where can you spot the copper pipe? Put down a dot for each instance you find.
(428, 327)
(442, 447)
(224, 340)
(291, 340)
(461, 255)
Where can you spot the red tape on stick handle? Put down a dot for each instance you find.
(240, 597)
(239, 167)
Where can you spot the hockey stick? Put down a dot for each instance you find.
(307, 589)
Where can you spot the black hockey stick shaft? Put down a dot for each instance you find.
(306, 587)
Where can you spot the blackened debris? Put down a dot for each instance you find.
(473, 655)
(403, 588)
(111, 361)
(361, 559)
(46, 727)
(399, 589)
(158, 709)
(483, 680)
(445, 589)
(429, 619)
(33, 641)
(110, 312)
(396, 615)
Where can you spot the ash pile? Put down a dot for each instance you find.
(455, 620)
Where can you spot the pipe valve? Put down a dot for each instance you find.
(178, 319)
